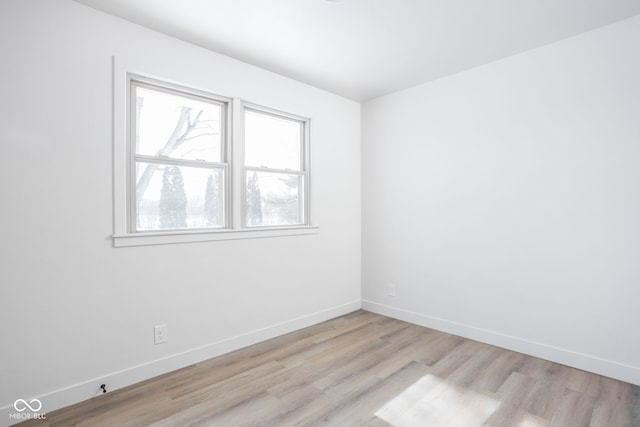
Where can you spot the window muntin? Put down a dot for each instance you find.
(178, 173)
(275, 170)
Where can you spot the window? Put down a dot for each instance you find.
(275, 169)
(178, 168)
(193, 166)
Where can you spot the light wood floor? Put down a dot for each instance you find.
(363, 369)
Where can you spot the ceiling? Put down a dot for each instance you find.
(362, 49)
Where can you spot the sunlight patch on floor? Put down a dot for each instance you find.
(529, 420)
(433, 402)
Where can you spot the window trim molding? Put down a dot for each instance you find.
(188, 236)
(233, 155)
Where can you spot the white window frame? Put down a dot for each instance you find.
(233, 154)
(159, 86)
(305, 165)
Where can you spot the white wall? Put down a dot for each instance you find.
(75, 310)
(504, 202)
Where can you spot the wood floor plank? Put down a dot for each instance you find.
(509, 415)
(582, 381)
(409, 349)
(516, 388)
(574, 409)
(469, 409)
(448, 364)
(334, 397)
(613, 403)
(471, 371)
(359, 410)
(248, 413)
(376, 422)
(546, 393)
(364, 369)
(437, 347)
(635, 406)
(498, 370)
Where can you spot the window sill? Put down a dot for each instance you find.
(172, 237)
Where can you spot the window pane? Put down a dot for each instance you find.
(177, 126)
(273, 199)
(272, 142)
(178, 197)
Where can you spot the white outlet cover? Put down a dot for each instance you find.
(392, 290)
(160, 334)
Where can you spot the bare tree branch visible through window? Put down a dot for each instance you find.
(189, 125)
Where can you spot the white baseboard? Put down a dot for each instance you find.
(608, 368)
(82, 391)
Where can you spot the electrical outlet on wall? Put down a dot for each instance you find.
(392, 290)
(160, 334)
